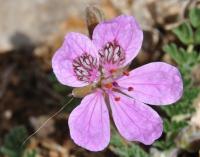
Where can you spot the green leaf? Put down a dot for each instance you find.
(197, 36)
(137, 151)
(13, 142)
(9, 152)
(116, 140)
(164, 144)
(184, 105)
(15, 138)
(194, 16)
(30, 153)
(173, 126)
(122, 149)
(185, 60)
(184, 33)
(176, 54)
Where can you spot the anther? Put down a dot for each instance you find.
(126, 73)
(108, 85)
(130, 89)
(115, 84)
(113, 70)
(117, 98)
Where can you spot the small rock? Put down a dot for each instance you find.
(189, 139)
(8, 114)
(47, 129)
(195, 119)
(53, 153)
(196, 74)
(167, 153)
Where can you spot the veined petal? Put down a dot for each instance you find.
(62, 68)
(89, 123)
(134, 120)
(122, 29)
(75, 45)
(155, 83)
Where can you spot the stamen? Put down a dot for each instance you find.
(126, 73)
(113, 70)
(130, 89)
(115, 84)
(108, 85)
(117, 98)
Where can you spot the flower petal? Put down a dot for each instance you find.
(62, 68)
(75, 45)
(89, 123)
(155, 83)
(134, 120)
(123, 29)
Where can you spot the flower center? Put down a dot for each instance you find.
(85, 68)
(103, 75)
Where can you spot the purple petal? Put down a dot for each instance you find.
(155, 83)
(89, 123)
(123, 29)
(134, 120)
(75, 45)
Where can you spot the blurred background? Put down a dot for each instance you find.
(30, 33)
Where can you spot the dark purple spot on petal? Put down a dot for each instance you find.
(85, 67)
(112, 54)
(130, 89)
(117, 98)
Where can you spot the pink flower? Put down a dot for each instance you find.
(100, 63)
